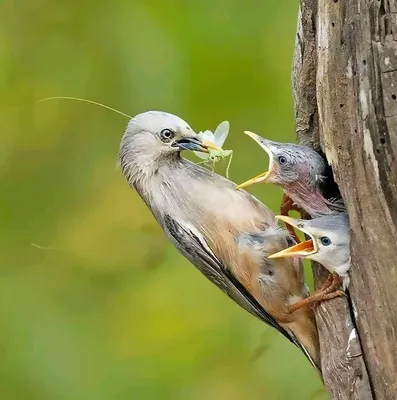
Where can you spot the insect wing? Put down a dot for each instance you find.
(206, 135)
(221, 133)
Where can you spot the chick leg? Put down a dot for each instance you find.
(288, 205)
(315, 298)
(327, 292)
(328, 282)
(331, 287)
(332, 283)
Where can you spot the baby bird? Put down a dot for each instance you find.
(329, 244)
(300, 171)
(225, 233)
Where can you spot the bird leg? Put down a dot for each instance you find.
(288, 205)
(332, 283)
(328, 282)
(328, 291)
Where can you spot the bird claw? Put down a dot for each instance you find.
(331, 284)
(288, 205)
(328, 291)
(329, 296)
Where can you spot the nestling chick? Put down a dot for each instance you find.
(214, 226)
(300, 171)
(329, 244)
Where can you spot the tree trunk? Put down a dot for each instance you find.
(345, 91)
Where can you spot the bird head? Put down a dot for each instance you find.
(328, 243)
(154, 135)
(288, 163)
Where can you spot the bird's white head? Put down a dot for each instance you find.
(151, 138)
(329, 242)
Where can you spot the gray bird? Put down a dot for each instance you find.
(227, 234)
(300, 171)
(329, 244)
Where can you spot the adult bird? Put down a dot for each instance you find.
(328, 244)
(225, 233)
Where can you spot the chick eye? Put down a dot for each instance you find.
(166, 135)
(325, 241)
(282, 160)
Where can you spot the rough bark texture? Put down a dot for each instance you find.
(345, 91)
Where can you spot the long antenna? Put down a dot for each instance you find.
(86, 101)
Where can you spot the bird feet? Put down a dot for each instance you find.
(288, 205)
(332, 283)
(328, 291)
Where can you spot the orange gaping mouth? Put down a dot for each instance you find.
(306, 246)
(301, 249)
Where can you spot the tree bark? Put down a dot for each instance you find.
(345, 92)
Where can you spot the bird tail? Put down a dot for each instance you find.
(310, 355)
(305, 336)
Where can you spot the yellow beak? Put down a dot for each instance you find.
(257, 179)
(302, 249)
(288, 220)
(261, 177)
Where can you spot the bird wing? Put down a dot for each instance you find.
(193, 246)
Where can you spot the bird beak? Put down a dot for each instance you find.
(303, 249)
(264, 176)
(257, 179)
(196, 144)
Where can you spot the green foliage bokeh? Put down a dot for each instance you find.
(95, 303)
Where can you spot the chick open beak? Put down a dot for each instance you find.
(196, 144)
(257, 179)
(261, 177)
(302, 249)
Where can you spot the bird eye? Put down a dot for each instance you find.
(282, 160)
(167, 135)
(325, 241)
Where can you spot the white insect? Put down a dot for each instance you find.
(218, 137)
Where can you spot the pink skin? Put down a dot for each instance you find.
(304, 193)
(308, 199)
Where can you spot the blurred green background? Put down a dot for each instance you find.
(94, 302)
